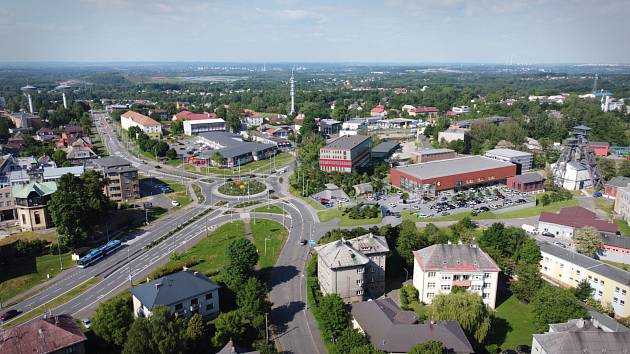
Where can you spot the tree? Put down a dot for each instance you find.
(555, 305)
(466, 308)
(251, 300)
(408, 293)
(583, 290)
(349, 339)
(233, 120)
(428, 347)
(587, 241)
(529, 252)
(112, 320)
(340, 112)
(409, 240)
(607, 167)
(196, 328)
(528, 283)
(332, 316)
(177, 127)
(134, 132)
(59, 156)
(171, 154)
(624, 168)
(161, 333)
(229, 325)
(240, 259)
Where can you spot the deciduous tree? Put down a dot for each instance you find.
(240, 259)
(428, 347)
(112, 319)
(229, 325)
(466, 308)
(587, 241)
(554, 305)
(332, 316)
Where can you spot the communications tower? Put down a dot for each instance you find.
(292, 83)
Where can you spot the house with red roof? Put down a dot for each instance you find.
(186, 115)
(378, 111)
(54, 334)
(564, 223)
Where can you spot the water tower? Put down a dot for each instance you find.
(28, 90)
(63, 88)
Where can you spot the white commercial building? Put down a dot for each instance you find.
(148, 125)
(438, 268)
(452, 134)
(194, 127)
(520, 158)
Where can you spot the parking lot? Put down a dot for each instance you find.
(152, 187)
(477, 200)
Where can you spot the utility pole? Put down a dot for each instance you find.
(266, 329)
(129, 268)
(59, 250)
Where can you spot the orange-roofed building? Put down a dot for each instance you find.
(148, 125)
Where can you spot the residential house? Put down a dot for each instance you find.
(378, 111)
(610, 188)
(580, 336)
(123, 178)
(184, 293)
(148, 125)
(429, 112)
(49, 335)
(565, 223)
(395, 331)
(160, 114)
(563, 267)
(45, 134)
(354, 269)
(79, 153)
(31, 200)
(438, 268)
(253, 121)
(231, 348)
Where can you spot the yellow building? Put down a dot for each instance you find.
(31, 200)
(611, 285)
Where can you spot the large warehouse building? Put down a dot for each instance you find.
(457, 173)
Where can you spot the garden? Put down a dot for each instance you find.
(242, 188)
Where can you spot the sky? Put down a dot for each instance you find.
(367, 31)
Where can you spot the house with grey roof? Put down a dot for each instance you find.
(354, 269)
(438, 268)
(184, 293)
(580, 336)
(395, 331)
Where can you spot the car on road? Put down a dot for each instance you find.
(344, 200)
(560, 244)
(393, 205)
(400, 192)
(158, 166)
(86, 323)
(422, 215)
(9, 315)
(416, 207)
(547, 234)
(175, 203)
(303, 242)
(446, 213)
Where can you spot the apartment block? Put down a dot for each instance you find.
(354, 269)
(345, 154)
(123, 178)
(438, 268)
(611, 285)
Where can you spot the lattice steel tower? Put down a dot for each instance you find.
(578, 152)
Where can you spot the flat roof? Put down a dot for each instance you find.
(386, 146)
(454, 166)
(434, 151)
(508, 153)
(346, 142)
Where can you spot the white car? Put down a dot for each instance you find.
(86, 323)
(416, 207)
(392, 205)
(400, 192)
(421, 215)
(175, 203)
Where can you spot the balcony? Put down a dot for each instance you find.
(462, 283)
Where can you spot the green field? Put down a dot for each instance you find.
(515, 214)
(308, 200)
(242, 188)
(270, 209)
(23, 274)
(623, 227)
(276, 235)
(56, 302)
(332, 213)
(179, 192)
(513, 326)
(50, 235)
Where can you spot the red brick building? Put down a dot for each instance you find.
(615, 244)
(600, 148)
(610, 188)
(458, 173)
(428, 155)
(527, 183)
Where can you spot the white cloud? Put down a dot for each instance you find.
(291, 15)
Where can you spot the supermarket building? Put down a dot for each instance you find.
(457, 173)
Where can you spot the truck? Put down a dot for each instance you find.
(530, 229)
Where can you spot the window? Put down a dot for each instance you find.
(194, 301)
(485, 295)
(359, 281)
(445, 287)
(431, 274)
(431, 285)
(623, 292)
(209, 296)
(360, 270)
(475, 287)
(446, 277)
(617, 289)
(430, 295)
(373, 269)
(486, 285)
(615, 300)
(577, 272)
(486, 275)
(600, 293)
(210, 306)
(601, 282)
(360, 292)
(38, 220)
(179, 306)
(621, 302)
(23, 219)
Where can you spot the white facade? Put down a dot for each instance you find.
(576, 177)
(525, 159)
(193, 127)
(150, 129)
(452, 134)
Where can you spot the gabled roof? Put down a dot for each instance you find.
(173, 288)
(41, 336)
(578, 217)
(618, 181)
(140, 118)
(423, 109)
(584, 342)
(231, 348)
(41, 188)
(340, 254)
(193, 116)
(378, 109)
(530, 177)
(443, 257)
(392, 330)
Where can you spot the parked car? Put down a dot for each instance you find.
(86, 323)
(421, 215)
(416, 207)
(547, 234)
(175, 203)
(9, 315)
(523, 349)
(446, 213)
(393, 205)
(158, 166)
(509, 351)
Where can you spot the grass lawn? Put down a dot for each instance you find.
(25, 273)
(259, 166)
(623, 226)
(200, 197)
(174, 162)
(623, 266)
(276, 235)
(421, 310)
(58, 301)
(605, 205)
(242, 188)
(331, 213)
(50, 236)
(210, 251)
(247, 204)
(270, 209)
(517, 327)
(515, 214)
(178, 193)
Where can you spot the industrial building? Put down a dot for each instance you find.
(345, 154)
(428, 155)
(231, 148)
(385, 150)
(528, 183)
(522, 160)
(457, 173)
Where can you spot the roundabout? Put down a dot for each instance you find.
(242, 188)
